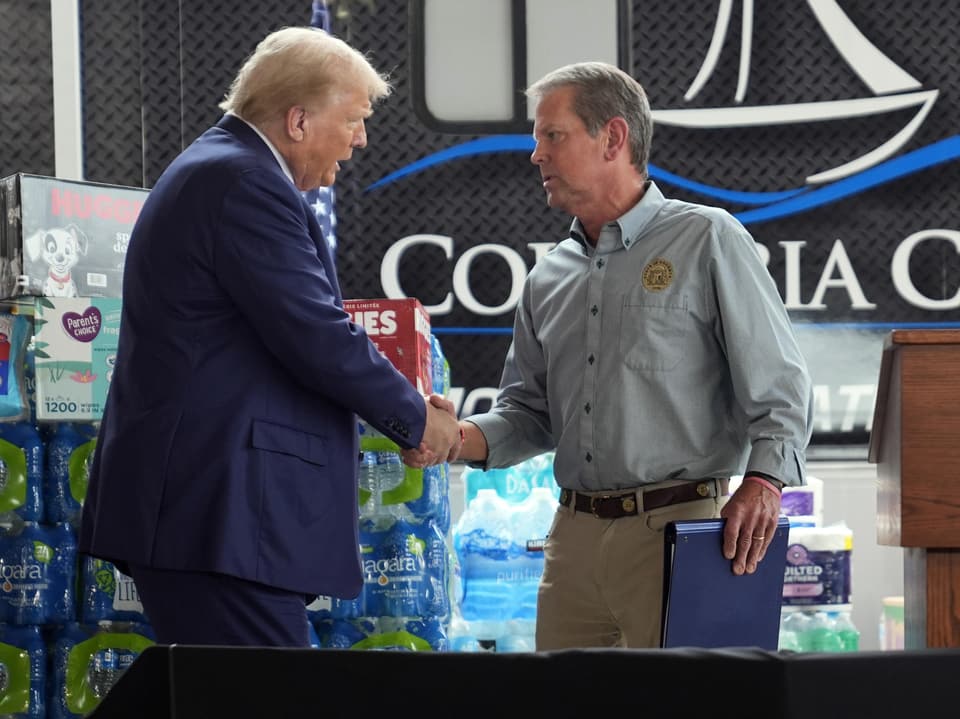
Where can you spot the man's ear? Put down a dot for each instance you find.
(617, 134)
(295, 122)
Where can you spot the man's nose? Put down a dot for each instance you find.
(360, 139)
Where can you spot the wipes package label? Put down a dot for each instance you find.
(75, 346)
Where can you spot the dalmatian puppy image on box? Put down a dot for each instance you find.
(58, 249)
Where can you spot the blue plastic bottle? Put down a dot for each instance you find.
(429, 505)
(100, 652)
(69, 451)
(106, 593)
(40, 574)
(24, 692)
(483, 540)
(533, 519)
(847, 631)
(390, 475)
(369, 486)
(21, 471)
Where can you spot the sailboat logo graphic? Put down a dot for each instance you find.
(892, 88)
(889, 89)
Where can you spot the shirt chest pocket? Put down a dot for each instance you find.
(652, 333)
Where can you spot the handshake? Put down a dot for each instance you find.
(443, 437)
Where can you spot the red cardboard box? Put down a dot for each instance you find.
(401, 331)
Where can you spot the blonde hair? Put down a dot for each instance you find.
(298, 65)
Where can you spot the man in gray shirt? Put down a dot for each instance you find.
(652, 352)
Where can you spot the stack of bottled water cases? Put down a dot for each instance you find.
(817, 595)
(499, 542)
(69, 624)
(408, 561)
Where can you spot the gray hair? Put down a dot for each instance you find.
(602, 92)
(297, 65)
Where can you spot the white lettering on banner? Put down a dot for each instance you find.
(838, 260)
(821, 400)
(837, 273)
(900, 270)
(390, 269)
(855, 403)
(390, 273)
(479, 400)
(860, 398)
(540, 249)
(461, 279)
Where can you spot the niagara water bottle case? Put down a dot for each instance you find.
(705, 604)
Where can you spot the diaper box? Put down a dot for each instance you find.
(64, 238)
(75, 349)
(401, 331)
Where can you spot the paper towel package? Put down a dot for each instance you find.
(817, 573)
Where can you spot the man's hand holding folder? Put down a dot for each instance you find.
(751, 519)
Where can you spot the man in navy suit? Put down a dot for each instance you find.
(225, 475)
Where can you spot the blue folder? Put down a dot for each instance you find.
(705, 604)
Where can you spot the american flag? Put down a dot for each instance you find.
(322, 199)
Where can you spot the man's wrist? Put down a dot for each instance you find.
(779, 484)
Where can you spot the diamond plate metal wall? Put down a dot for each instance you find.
(112, 120)
(26, 88)
(155, 71)
(216, 38)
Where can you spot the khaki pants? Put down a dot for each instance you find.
(603, 578)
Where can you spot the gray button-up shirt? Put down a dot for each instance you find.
(663, 353)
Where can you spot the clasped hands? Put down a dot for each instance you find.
(441, 437)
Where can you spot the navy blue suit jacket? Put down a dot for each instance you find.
(229, 439)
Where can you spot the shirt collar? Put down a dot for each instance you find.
(632, 223)
(266, 141)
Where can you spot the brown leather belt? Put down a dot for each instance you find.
(629, 504)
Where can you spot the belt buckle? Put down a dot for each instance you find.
(594, 501)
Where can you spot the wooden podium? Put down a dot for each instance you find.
(915, 443)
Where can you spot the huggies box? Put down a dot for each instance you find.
(75, 349)
(64, 238)
(400, 329)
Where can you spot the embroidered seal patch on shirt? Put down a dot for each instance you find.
(657, 275)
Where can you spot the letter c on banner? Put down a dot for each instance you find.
(390, 274)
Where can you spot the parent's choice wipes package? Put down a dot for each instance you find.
(75, 348)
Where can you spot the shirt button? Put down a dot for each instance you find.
(589, 457)
(594, 310)
(587, 408)
(590, 359)
(599, 263)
